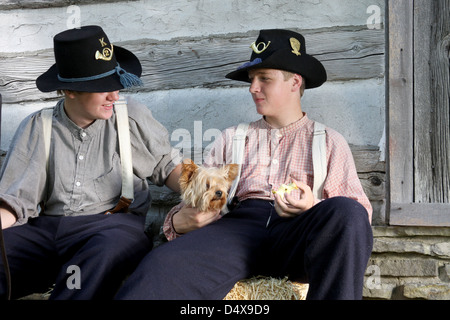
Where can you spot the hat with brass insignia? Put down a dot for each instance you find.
(86, 61)
(282, 50)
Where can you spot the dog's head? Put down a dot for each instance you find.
(206, 188)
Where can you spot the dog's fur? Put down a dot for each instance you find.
(206, 188)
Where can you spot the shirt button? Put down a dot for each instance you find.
(275, 161)
(78, 183)
(81, 157)
(83, 134)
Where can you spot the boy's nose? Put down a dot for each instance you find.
(113, 96)
(254, 87)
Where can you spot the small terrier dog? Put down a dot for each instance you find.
(206, 188)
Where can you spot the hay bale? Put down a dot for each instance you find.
(267, 288)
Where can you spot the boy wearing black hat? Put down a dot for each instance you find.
(324, 240)
(55, 188)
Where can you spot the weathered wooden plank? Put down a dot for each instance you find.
(374, 185)
(420, 214)
(17, 82)
(39, 4)
(422, 97)
(367, 159)
(400, 105)
(204, 62)
(432, 102)
(348, 54)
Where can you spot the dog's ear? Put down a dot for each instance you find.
(188, 167)
(232, 170)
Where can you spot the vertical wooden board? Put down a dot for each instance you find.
(422, 100)
(432, 97)
(440, 101)
(400, 106)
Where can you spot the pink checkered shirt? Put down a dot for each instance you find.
(275, 156)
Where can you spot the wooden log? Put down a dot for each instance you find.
(347, 54)
(39, 4)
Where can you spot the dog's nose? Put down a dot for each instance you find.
(218, 194)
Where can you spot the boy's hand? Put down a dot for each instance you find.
(190, 219)
(294, 207)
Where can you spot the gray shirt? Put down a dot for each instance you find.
(84, 175)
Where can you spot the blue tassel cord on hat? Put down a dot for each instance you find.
(127, 79)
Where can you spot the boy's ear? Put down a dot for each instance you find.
(297, 81)
(68, 93)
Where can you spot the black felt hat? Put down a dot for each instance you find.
(282, 50)
(86, 61)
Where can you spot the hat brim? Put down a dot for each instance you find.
(48, 81)
(306, 65)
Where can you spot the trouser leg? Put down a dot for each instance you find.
(328, 246)
(101, 251)
(32, 257)
(104, 249)
(203, 264)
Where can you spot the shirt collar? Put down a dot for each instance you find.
(291, 128)
(74, 128)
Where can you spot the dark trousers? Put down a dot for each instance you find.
(86, 257)
(328, 247)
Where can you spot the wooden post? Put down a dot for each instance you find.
(400, 108)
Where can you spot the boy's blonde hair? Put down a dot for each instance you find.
(287, 75)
